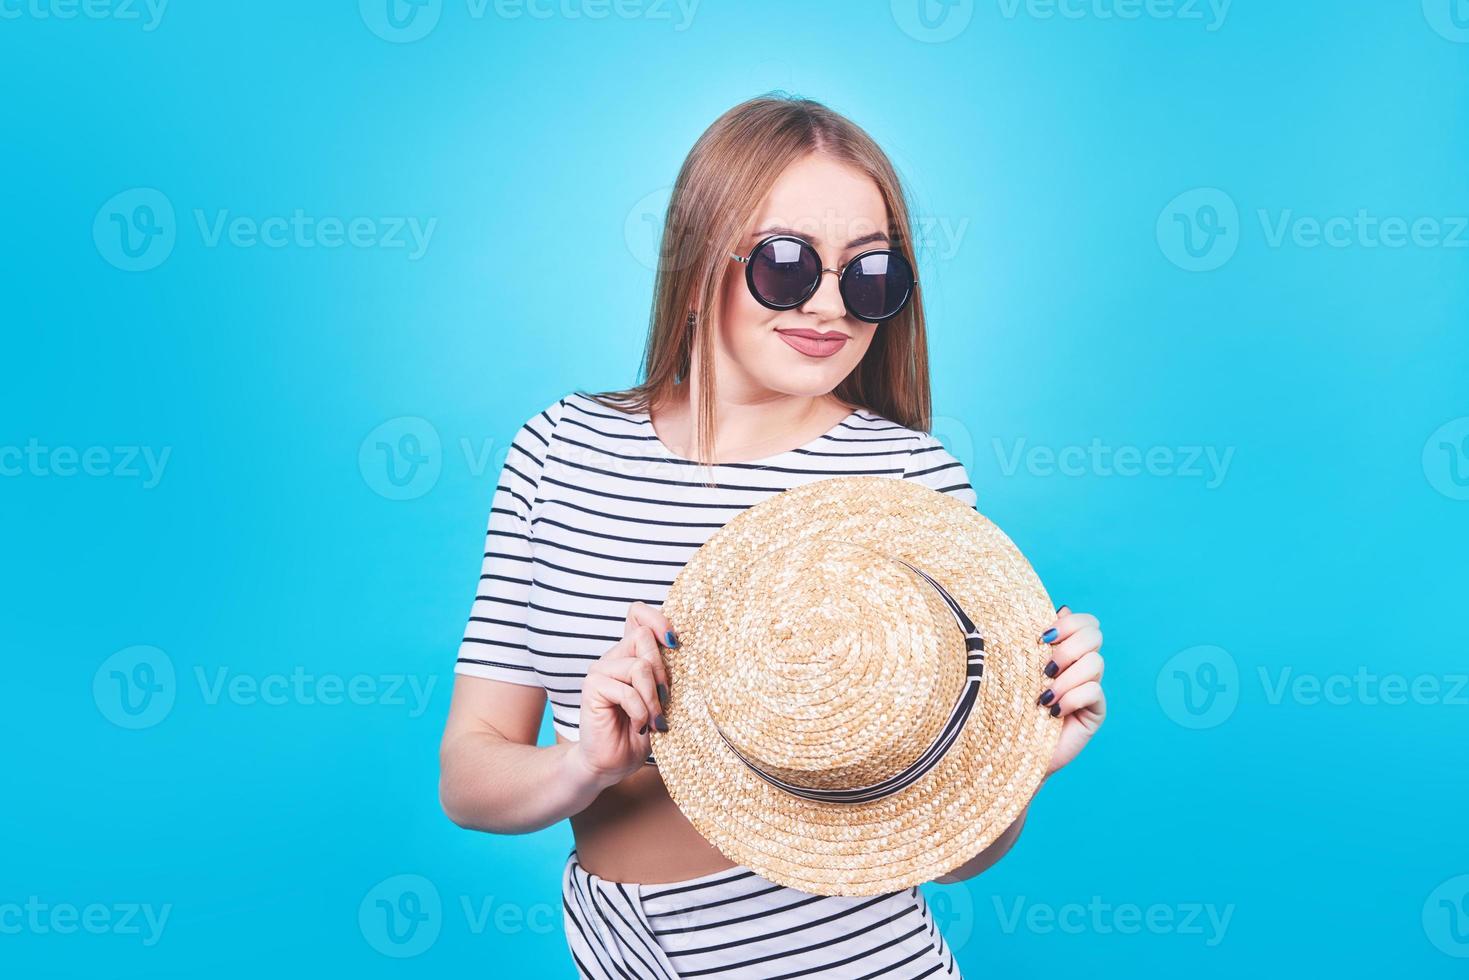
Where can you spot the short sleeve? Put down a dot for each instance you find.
(496, 641)
(930, 464)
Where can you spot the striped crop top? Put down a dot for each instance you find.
(593, 512)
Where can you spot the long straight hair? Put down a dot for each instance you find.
(725, 177)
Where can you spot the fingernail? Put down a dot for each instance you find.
(1046, 697)
(1051, 669)
(660, 724)
(669, 639)
(1055, 710)
(1048, 635)
(663, 695)
(643, 730)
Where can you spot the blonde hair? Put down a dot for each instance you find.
(725, 177)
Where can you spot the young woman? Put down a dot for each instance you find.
(787, 345)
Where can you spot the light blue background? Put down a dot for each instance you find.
(1043, 153)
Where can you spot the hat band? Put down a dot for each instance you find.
(974, 650)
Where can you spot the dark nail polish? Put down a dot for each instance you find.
(1055, 710)
(663, 695)
(643, 730)
(1047, 697)
(1048, 635)
(1052, 669)
(660, 724)
(669, 639)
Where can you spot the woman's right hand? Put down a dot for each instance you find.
(620, 702)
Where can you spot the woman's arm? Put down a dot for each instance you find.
(986, 858)
(493, 776)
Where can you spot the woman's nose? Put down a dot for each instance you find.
(827, 301)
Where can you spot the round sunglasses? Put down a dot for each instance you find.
(784, 271)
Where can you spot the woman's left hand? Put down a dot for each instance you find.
(1072, 682)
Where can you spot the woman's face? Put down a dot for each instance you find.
(841, 213)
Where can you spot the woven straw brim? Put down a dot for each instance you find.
(951, 813)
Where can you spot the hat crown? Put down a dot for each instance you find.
(844, 675)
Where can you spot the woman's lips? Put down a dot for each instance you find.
(812, 343)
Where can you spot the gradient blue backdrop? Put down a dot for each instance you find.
(1100, 279)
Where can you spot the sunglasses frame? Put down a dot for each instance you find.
(841, 272)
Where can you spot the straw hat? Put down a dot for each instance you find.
(852, 703)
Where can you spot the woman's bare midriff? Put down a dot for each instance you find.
(633, 832)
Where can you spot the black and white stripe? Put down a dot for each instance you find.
(736, 923)
(592, 512)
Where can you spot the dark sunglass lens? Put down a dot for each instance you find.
(877, 286)
(783, 271)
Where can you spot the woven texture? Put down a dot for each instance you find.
(829, 664)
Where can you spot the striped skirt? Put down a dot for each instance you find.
(736, 923)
